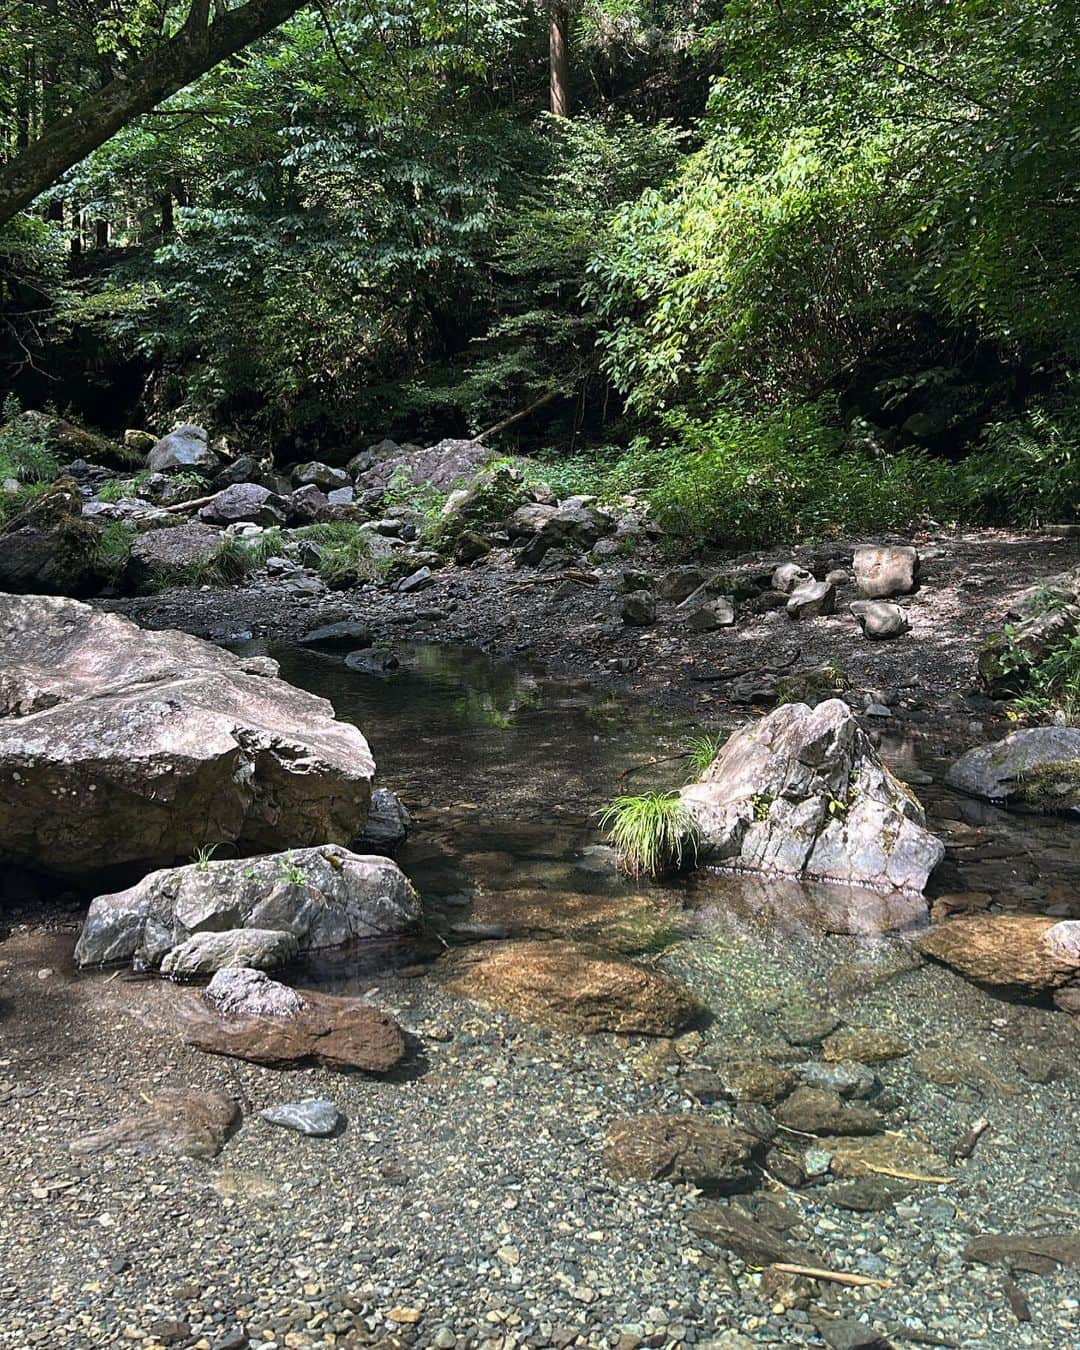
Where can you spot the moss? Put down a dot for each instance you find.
(1051, 787)
(813, 686)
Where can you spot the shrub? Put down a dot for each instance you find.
(344, 552)
(653, 833)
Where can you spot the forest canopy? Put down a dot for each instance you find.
(755, 248)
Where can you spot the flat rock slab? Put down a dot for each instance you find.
(339, 1033)
(811, 1110)
(750, 1240)
(881, 1154)
(576, 988)
(207, 953)
(1023, 951)
(315, 1116)
(121, 746)
(694, 1149)
(182, 1122)
(1023, 1251)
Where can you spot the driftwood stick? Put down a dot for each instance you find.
(736, 671)
(542, 401)
(908, 1176)
(190, 506)
(836, 1276)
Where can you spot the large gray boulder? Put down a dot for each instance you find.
(1037, 768)
(450, 464)
(320, 897)
(187, 447)
(249, 502)
(119, 746)
(803, 792)
(170, 554)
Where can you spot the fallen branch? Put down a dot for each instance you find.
(188, 506)
(586, 579)
(541, 402)
(908, 1176)
(836, 1276)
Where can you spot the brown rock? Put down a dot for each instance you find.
(576, 988)
(688, 1148)
(1011, 950)
(757, 1080)
(817, 1111)
(190, 1124)
(730, 1228)
(1022, 1251)
(245, 1014)
(865, 1045)
(882, 1154)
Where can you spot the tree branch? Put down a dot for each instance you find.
(145, 84)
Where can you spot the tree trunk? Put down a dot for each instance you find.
(559, 57)
(196, 48)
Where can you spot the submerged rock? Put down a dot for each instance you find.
(1037, 768)
(694, 1149)
(120, 746)
(184, 1122)
(728, 1227)
(388, 824)
(576, 988)
(1029, 952)
(804, 792)
(246, 1015)
(188, 920)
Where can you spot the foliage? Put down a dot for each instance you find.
(119, 489)
(344, 552)
(699, 752)
(653, 833)
(24, 451)
(1052, 683)
(114, 547)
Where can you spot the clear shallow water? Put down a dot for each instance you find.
(504, 769)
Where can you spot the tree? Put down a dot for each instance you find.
(202, 42)
(559, 57)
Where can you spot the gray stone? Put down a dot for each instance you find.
(314, 1116)
(416, 581)
(344, 636)
(846, 1079)
(244, 502)
(155, 744)
(320, 897)
(812, 600)
(639, 609)
(1037, 768)
(679, 583)
(187, 447)
(206, 953)
(714, 614)
(885, 571)
(168, 555)
(322, 476)
(790, 577)
(377, 661)
(388, 824)
(879, 619)
(804, 792)
(450, 464)
(306, 505)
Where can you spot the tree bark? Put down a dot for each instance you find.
(196, 48)
(559, 57)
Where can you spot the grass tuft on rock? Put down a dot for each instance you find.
(653, 833)
(699, 753)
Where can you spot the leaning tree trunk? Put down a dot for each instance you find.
(559, 56)
(197, 47)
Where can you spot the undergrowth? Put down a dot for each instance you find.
(653, 833)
